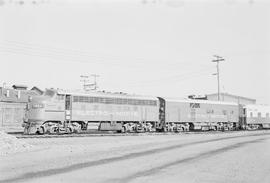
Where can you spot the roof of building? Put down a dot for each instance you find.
(15, 95)
(231, 95)
(24, 87)
(38, 90)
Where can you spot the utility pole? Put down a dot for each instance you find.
(95, 80)
(217, 60)
(86, 85)
(84, 80)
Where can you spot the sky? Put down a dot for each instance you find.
(157, 47)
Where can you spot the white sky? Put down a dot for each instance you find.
(162, 49)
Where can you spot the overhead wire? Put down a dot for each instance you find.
(72, 55)
(173, 78)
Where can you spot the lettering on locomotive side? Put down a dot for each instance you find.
(207, 116)
(105, 113)
(37, 105)
(194, 105)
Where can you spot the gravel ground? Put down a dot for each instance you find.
(10, 144)
(207, 157)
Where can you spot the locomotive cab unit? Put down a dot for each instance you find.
(57, 111)
(44, 113)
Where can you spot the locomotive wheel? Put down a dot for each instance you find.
(183, 129)
(69, 130)
(53, 130)
(41, 130)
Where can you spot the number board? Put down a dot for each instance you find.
(194, 105)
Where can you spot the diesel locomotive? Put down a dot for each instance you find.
(70, 112)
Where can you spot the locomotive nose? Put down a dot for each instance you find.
(35, 109)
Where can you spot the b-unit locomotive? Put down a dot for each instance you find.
(57, 111)
(201, 115)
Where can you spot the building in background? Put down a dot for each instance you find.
(13, 103)
(231, 98)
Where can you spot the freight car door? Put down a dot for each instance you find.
(68, 108)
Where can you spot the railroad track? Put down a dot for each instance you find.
(110, 133)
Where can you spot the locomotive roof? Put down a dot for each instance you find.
(107, 94)
(199, 101)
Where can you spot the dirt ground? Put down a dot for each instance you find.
(204, 157)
